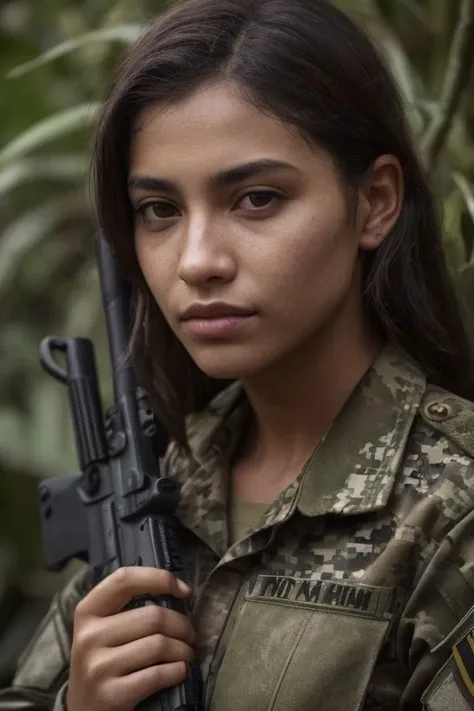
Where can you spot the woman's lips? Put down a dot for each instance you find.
(217, 326)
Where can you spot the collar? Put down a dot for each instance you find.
(351, 471)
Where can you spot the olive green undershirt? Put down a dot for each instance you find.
(243, 515)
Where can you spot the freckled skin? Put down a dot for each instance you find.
(292, 257)
(295, 263)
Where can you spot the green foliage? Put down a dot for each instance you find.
(123, 33)
(55, 60)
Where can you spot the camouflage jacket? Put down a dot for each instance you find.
(354, 573)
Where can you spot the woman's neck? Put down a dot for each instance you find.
(295, 402)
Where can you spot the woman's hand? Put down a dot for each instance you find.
(120, 658)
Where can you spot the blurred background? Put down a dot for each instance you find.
(55, 60)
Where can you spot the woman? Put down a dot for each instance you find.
(298, 333)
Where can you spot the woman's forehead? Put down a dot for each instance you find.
(216, 127)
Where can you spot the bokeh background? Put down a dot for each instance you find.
(55, 60)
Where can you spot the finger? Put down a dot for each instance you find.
(124, 627)
(139, 685)
(118, 588)
(146, 652)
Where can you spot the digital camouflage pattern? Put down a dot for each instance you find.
(354, 573)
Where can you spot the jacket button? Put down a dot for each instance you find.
(438, 410)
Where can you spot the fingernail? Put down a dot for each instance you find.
(182, 586)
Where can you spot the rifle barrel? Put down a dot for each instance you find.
(116, 293)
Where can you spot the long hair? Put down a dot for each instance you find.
(306, 63)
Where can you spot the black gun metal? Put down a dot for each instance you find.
(120, 510)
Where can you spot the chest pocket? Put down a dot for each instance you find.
(302, 644)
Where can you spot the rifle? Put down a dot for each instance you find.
(119, 511)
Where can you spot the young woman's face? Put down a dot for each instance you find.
(241, 231)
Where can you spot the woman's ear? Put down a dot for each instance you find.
(382, 197)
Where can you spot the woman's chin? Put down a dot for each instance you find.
(226, 367)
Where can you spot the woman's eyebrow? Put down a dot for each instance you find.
(222, 179)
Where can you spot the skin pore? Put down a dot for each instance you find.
(279, 242)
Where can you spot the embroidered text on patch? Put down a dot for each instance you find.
(329, 594)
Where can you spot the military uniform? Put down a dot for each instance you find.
(351, 576)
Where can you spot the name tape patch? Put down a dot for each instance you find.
(330, 594)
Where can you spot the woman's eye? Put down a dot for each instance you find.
(159, 210)
(155, 211)
(260, 199)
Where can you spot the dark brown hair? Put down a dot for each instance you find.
(308, 64)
